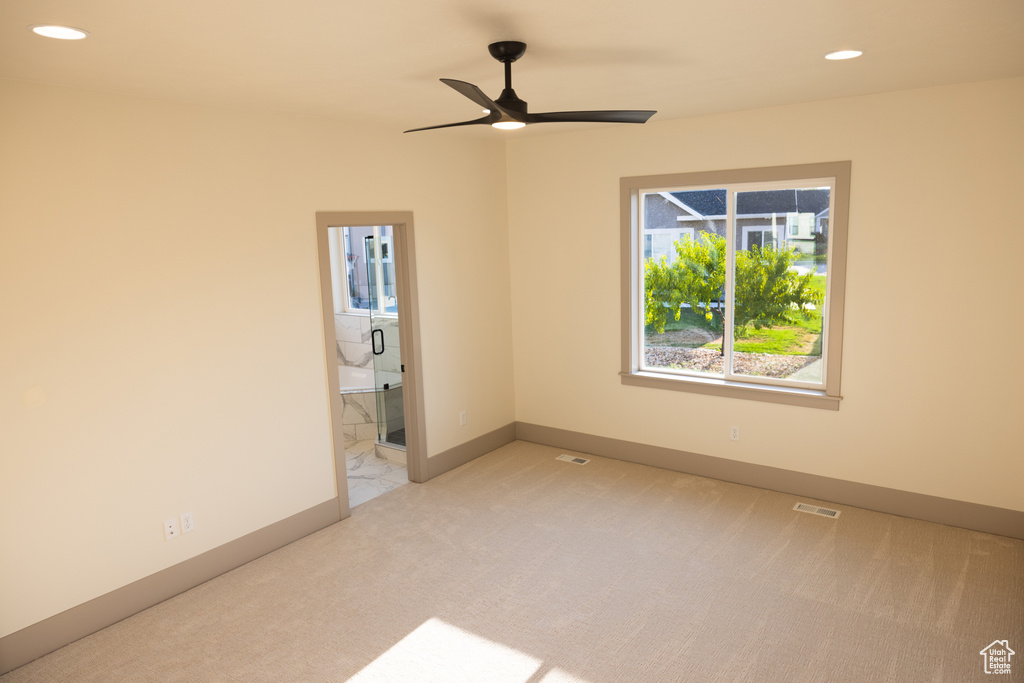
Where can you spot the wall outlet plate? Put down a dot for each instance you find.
(188, 522)
(171, 529)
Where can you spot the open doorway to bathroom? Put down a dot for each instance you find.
(370, 326)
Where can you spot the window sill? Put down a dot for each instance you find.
(363, 313)
(713, 386)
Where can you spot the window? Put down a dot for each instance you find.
(659, 242)
(367, 252)
(746, 301)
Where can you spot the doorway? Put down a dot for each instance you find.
(367, 273)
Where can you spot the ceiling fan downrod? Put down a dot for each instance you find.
(506, 52)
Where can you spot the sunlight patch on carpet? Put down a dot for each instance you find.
(437, 651)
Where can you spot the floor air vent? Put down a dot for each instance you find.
(815, 510)
(573, 459)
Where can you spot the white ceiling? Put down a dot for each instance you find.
(381, 61)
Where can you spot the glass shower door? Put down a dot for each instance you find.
(387, 360)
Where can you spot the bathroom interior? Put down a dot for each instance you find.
(367, 333)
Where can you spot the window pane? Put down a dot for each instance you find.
(684, 280)
(356, 266)
(389, 300)
(780, 273)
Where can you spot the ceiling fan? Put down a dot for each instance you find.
(508, 111)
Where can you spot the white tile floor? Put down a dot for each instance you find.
(370, 475)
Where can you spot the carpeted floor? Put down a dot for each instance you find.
(521, 568)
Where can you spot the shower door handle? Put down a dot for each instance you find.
(373, 339)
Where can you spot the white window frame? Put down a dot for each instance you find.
(678, 233)
(792, 224)
(342, 296)
(747, 229)
(826, 395)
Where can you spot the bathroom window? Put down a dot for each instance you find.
(368, 255)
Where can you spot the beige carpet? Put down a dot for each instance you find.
(521, 568)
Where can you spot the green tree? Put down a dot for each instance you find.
(767, 292)
(696, 277)
(661, 295)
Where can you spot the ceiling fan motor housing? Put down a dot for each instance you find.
(508, 100)
(507, 50)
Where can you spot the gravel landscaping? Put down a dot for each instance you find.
(710, 360)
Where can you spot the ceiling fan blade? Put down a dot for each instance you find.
(490, 118)
(609, 116)
(472, 92)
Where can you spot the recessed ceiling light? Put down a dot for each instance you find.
(61, 32)
(508, 125)
(844, 54)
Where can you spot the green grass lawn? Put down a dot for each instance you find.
(802, 337)
(688, 319)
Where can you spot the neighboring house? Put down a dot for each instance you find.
(783, 218)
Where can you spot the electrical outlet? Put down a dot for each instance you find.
(462, 419)
(734, 433)
(188, 522)
(171, 529)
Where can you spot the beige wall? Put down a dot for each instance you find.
(161, 347)
(931, 369)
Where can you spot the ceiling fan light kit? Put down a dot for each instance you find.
(509, 112)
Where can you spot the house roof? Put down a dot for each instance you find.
(712, 202)
(782, 201)
(704, 202)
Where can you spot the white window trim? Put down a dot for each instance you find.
(678, 233)
(632, 300)
(747, 229)
(342, 296)
(336, 256)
